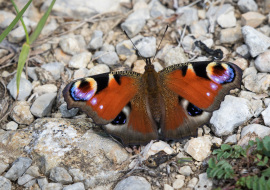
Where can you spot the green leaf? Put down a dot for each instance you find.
(212, 163)
(266, 172)
(41, 24)
(14, 22)
(22, 59)
(249, 182)
(225, 147)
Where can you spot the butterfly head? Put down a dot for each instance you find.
(149, 66)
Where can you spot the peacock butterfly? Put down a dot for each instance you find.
(170, 104)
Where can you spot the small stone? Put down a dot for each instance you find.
(17, 35)
(204, 182)
(133, 183)
(75, 186)
(168, 187)
(5, 184)
(42, 182)
(227, 19)
(77, 175)
(50, 27)
(199, 148)
(237, 109)
(216, 141)
(262, 62)
(80, 73)
(107, 47)
(185, 170)
(126, 47)
(30, 183)
(266, 116)
(188, 43)
(80, 60)
(256, 41)
(265, 30)
(99, 69)
(147, 46)
(241, 62)
(232, 139)
(108, 58)
(157, 9)
(24, 90)
(199, 28)
(11, 126)
(33, 171)
(21, 113)
(6, 18)
(55, 68)
(19, 166)
(3, 167)
(188, 16)
(230, 35)
(175, 55)
(133, 27)
(257, 107)
(53, 186)
(252, 19)
(179, 182)
(260, 130)
(61, 175)
(68, 112)
(31, 71)
(157, 147)
(247, 5)
(243, 51)
(3, 52)
(139, 66)
(192, 183)
(96, 40)
(42, 106)
(44, 89)
(25, 179)
(72, 44)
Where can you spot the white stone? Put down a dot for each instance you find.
(260, 130)
(204, 182)
(247, 5)
(266, 116)
(80, 60)
(46, 88)
(24, 90)
(192, 183)
(227, 19)
(98, 69)
(262, 62)
(11, 126)
(232, 139)
(185, 170)
(179, 182)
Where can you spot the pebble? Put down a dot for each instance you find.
(61, 175)
(42, 106)
(247, 5)
(192, 183)
(50, 27)
(255, 40)
(21, 113)
(42, 182)
(243, 51)
(262, 62)
(179, 182)
(199, 148)
(104, 57)
(55, 68)
(175, 55)
(266, 116)
(6, 18)
(31, 72)
(133, 183)
(11, 126)
(185, 170)
(25, 179)
(107, 47)
(80, 73)
(19, 166)
(230, 35)
(3, 167)
(3, 52)
(133, 27)
(227, 18)
(168, 187)
(252, 19)
(98, 69)
(33, 171)
(147, 46)
(232, 139)
(80, 60)
(77, 174)
(157, 147)
(24, 90)
(188, 16)
(17, 35)
(237, 109)
(157, 9)
(44, 89)
(257, 107)
(126, 47)
(260, 130)
(265, 30)
(241, 62)
(72, 44)
(199, 28)
(216, 141)
(5, 184)
(96, 40)
(53, 186)
(204, 182)
(68, 112)
(75, 186)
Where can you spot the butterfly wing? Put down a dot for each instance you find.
(115, 100)
(191, 91)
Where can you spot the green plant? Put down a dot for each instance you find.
(26, 48)
(242, 168)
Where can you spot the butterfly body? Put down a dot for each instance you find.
(170, 104)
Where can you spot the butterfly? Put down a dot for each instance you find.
(170, 104)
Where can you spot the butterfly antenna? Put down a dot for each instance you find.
(160, 42)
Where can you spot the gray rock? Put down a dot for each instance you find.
(25, 179)
(72, 44)
(185, 170)
(168, 187)
(230, 35)
(126, 47)
(31, 71)
(44, 89)
(104, 57)
(175, 55)
(158, 10)
(30, 183)
(247, 5)
(42, 182)
(243, 51)
(257, 107)
(260, 130)
(233, 112)
(252, 19)
(102, 178)
(68, 112)
(147, 46)
(17, 35)
(61, 175)
(227, 18)
(266, 116)
(80, 73)
(6, 18)
(232, 139)
(3, 167)
(262, 62)
(33, 171)
(99, 69)
(77, 175)
(264, 29)
(96, 40)
(188, 16)
(179, 182)
(133, 183)
(3, 52)
(55, 68)
(11, 126)
(107, 47)
(133, 27)
(75, 186)
(256, 41)
(188, 43)
(24, 90)
(5, 184)
(204, 182)
(80, 60)
(50, 27)
(21, 113)
(42, 106)
(192, 183)
(18, 168)
(199, 28)
(53, 186)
